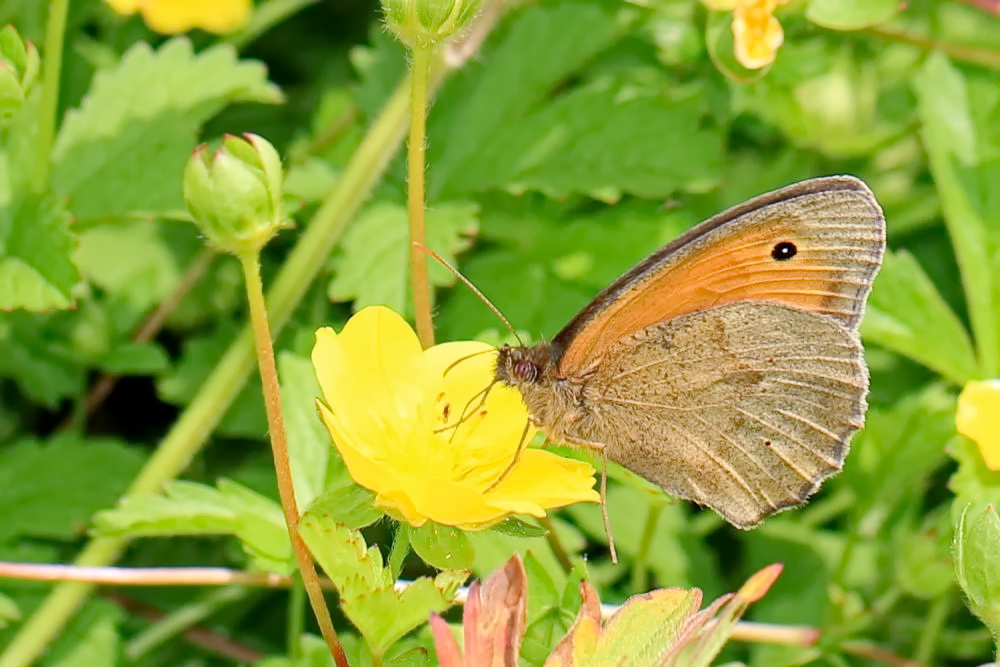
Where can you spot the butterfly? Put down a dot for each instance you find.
(726, 367)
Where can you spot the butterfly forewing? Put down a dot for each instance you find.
(815, 245)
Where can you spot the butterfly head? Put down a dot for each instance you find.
(520, 366)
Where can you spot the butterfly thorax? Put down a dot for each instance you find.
(549, 398)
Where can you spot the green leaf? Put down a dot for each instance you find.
(908, 315)
(51, 489)
(896, 452)
(92, 638)
(309, 444)
(246, 416)
(514, 527)
(366, 587)
(851, 14)
(966, 168)
(123, 150)
(601, 140)
(372, 266)
(973, 482)
(36, 270)
(646, 626)
(189, 508)
(444, 547)
(9, 611)
(351, 506)
(39, 357)
(534, 54)
(977, 542)
(135, 359)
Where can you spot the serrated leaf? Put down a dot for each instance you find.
(36, 270)
(51, 489)
(39, 359)
(908, 315)
(601, 141)
(343, 554)
(371, 267)
(123, 150)
(646, 626)
(444, 547)
(383, 615)
(190, 508)
(851, 14)
(351, 506)
(534, 54)
(309, 444)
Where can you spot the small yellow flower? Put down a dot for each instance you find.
(978, 418)
(393, 411)
(756, 33)
(174, 16)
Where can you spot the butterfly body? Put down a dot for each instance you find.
(726, 367)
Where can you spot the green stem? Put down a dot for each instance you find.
(558, 550)
(279, 448)
(400, 549)
(640, 571)
(933, 625)
(416, 167)
(296, 622)
(970, 54)
(195, 424)
(177, 622)
(55, 35)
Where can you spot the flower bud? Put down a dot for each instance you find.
(19, 64)
(234, 194)
(977, 542)
(428, 23)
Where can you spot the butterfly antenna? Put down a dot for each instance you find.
(465, 281)
(604, 513)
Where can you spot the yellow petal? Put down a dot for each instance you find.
(124, 7)
(544, 480)
(371, 374)
(174, 16)
(756, 33)
(978, 418)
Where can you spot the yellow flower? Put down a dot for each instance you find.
(388, 406)
(756, 33)
(978, 418)
(173, 16)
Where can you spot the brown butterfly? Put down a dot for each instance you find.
(726, 367)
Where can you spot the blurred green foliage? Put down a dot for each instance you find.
(582, 136)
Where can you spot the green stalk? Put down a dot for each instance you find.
(416, 170)
(279, 448)
(640, 569)
(55, 35)
(177, 622)
(196, 423)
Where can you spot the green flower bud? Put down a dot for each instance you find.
(977, 543)
(428, 23)
(19, 65)
(234, 194)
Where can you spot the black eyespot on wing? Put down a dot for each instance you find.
(784, 251)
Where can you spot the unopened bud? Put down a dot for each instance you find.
(428, 23)
(234, 194)
(19, 64)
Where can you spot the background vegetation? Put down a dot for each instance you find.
(583, 135)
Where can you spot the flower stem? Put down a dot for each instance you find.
(416, 158)
(55, 34)
(220, 389)
(640, 569)
(279, 447)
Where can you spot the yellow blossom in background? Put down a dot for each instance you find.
(174, 16)
(388, 406)
(978, 418)
(756, 33)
